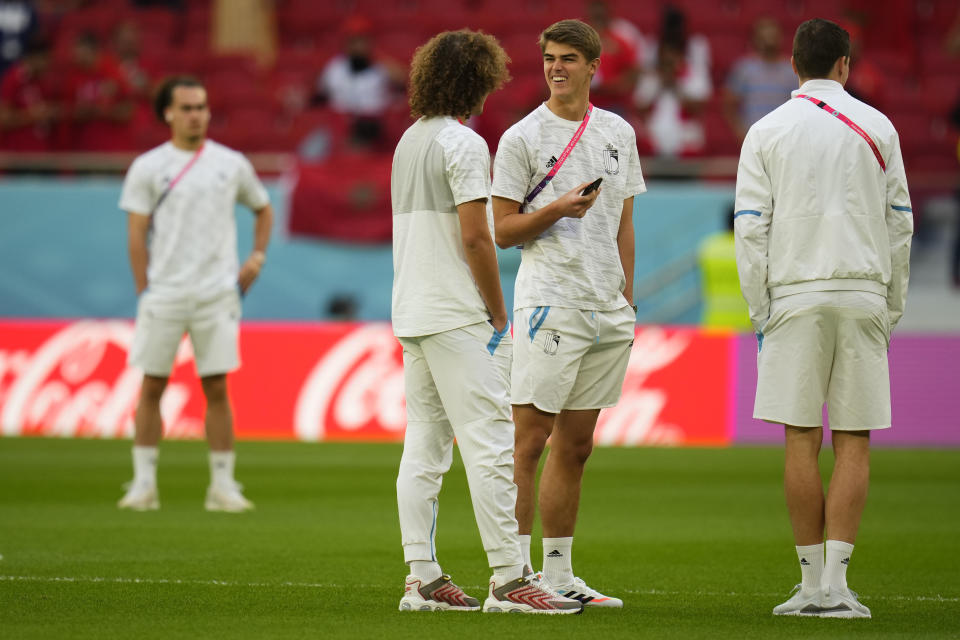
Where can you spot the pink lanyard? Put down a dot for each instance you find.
(563, 156)
(177, 178)
(850, 123)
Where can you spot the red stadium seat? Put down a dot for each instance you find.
(246, 129)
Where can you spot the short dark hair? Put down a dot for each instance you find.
(164, 96)
(817, 45)
(573, 33)
(454, 71)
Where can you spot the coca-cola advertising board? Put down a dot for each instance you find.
(333, 381)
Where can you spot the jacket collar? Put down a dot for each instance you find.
(818, 85)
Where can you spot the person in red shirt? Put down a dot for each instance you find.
(30, 102)
(100, 100)
(616, 77)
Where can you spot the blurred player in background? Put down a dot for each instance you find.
(573, 303)
(450, 318)
(823, 228)
(180, 200)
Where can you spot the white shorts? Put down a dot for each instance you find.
(825, 347)
(213, 325)
(570, 359)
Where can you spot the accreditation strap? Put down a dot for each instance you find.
(177, 178)
(563, 157)
(850, 123)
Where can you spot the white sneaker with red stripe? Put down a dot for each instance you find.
(579, 590)
(439, 595)
(527, 595)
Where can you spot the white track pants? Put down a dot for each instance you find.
(458, 386)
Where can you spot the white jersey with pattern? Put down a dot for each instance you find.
(193, 233)
(576, 262)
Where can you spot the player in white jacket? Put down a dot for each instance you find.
(823, 227)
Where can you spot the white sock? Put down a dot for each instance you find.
(426, 570)
(503, 575)
(221, 467)
(525, 549)
(557, 566)
(145, 465)
(811, 566)
(835, 566)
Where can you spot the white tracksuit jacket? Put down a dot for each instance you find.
(814, 209)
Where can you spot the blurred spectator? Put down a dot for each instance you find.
(761, 82)
(31, 104)
(695, 48)
(138, 72)
(356, 84)
(670, 101)
(616, 77)
(18, 22)
(672, 95)
(723, 303)
(866, 82)
(99, 99)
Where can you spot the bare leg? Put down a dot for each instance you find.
(802, 484)
(148, 424)
(847, 493)
(532, 428)
(570, 446)
(219, 417)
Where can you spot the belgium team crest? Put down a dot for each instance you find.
(611, 160)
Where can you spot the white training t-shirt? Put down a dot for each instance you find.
(576, 262)
(439, 164)
(193, 234)
(365, 93)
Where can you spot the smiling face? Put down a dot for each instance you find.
(567, 71)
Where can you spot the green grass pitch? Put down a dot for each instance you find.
(695, 541)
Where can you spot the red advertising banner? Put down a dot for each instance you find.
(334, 381)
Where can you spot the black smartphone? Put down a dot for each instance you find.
(593, 186)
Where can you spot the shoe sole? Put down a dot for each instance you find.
(150, 506)
(845, 613)
(799, 614)
(216, 506)
(508, 607)
(424, 605)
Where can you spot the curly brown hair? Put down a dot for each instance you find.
(454, 71)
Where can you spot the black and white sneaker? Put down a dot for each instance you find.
(579, 590)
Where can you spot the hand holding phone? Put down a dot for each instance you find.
(593, 186)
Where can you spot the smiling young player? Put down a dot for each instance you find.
(573, 304)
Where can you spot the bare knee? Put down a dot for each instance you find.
(152, 389)
(803, 442)
(574, 450)
(529, 446)
(532, 428)
(851, 447)
(215, 389)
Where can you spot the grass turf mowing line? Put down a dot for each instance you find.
(674, 532)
